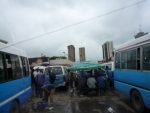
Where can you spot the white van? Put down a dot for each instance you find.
(41, 68)
(61, 74)
(110, 66)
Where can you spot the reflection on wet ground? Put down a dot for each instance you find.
(82, 104)
(97, 105)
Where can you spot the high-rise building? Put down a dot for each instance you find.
(82, 54)
(71, 53)
(108, 51)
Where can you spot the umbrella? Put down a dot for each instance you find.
(84, 66)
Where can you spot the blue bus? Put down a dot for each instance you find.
(132, 72)
(15, 80)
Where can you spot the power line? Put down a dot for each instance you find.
(77, 23)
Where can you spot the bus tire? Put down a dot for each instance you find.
(15, 107)
(137, 102)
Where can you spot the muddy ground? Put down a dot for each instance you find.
(66, 103)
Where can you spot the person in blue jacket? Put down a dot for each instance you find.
(39, 82)
(101, 83)
(49, 87)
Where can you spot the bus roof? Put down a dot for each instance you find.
(11, 50)
(134, 43)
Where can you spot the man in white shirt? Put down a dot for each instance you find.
(91, 82)
(35, 73)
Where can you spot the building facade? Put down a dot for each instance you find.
(62, 62)
(82, 54)
(107, 48)
(71, 53)
(38, 61)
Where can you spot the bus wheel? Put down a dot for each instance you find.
(15, 107)
(137, 102)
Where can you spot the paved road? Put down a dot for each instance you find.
(64, 103)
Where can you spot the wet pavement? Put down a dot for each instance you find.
(64, 103)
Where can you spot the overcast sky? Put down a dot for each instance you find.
(23, 19)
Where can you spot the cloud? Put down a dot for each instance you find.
(23, 19)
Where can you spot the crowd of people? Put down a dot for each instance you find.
(84, 82)
(89, 81)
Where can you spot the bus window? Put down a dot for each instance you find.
(8, 67)
(138, 66)
(16, 69)
(25, 66)
(146, 57)
(117, 61)
(2, 74)
(131, 59)
(123, 60)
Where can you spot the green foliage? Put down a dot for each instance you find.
(57, 57)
